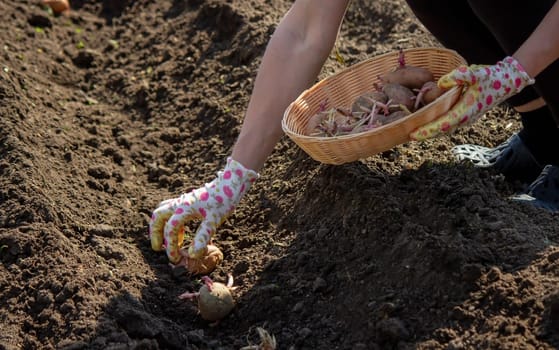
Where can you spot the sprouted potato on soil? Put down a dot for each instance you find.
(215, 300)
(206, 264)
(400, 92)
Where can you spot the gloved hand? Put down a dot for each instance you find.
(484, 88)
(212, 204)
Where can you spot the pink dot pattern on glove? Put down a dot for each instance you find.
(228, 192)
(211, 203)
(485, 87)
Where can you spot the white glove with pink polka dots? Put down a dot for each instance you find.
(212, 204)
(484, 88)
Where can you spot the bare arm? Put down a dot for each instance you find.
(293, 59)
(542, 47)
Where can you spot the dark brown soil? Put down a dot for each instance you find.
(121, 104)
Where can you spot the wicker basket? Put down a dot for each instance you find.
(344, 87)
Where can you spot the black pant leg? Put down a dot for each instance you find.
(457, 26)
(511, 23)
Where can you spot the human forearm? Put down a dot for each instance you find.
(542, 47)
(292, 61)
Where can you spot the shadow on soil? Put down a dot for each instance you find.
(376, 261)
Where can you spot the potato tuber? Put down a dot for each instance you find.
(392, 117)
(205, 264)
(399, 95)
(214, 299)
(215, 303)
(365, 102)
(431, 92)
(411, 77)
(313, 123)
(332, 122)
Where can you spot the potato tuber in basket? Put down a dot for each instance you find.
(341, 90)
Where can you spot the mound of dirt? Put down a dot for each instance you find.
(117, 105)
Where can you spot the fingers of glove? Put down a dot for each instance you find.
(174, 230)
(156, 225)
(442, 125)
(459, 76)
(448, 80)
(201, 239)
(464, 112)
(167, 202)
(463, 75)
(161, 215)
